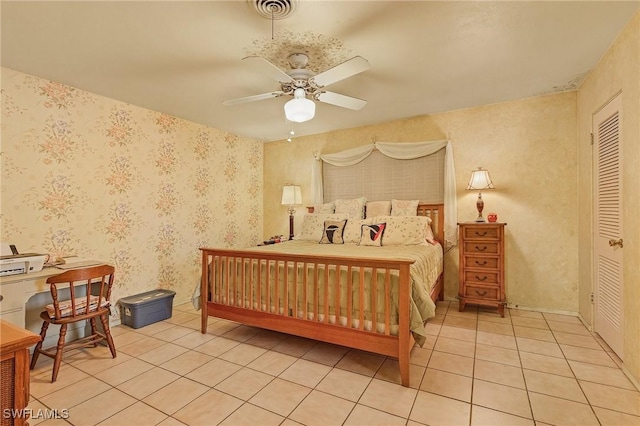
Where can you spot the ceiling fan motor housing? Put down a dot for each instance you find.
(299, 73)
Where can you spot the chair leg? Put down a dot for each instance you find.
(36, 350)
(92, 321)
(107, 332)
(59, 348)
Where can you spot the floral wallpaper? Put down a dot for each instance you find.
(90, 176)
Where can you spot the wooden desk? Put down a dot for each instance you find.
(23, 297)
(14, 367)
(15, 291)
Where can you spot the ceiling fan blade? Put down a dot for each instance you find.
(254, 98)
(341, 100)
(269, 69)
(353, 66)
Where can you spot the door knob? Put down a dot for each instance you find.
(613, 243)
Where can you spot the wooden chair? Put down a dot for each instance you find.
(89, 293)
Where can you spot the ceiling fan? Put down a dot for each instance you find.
(301, 82)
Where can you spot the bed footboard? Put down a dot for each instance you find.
(358, 303)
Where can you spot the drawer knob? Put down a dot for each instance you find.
(481, 249)
(481, 234)
(481, 293)
(1, 298)
(481, 279)
(484, 262)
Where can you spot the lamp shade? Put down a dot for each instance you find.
(480, 180)
(299, 109)
(291, 195)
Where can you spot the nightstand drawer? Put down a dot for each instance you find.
(481, 262)
(484, 232)
(477, 292)
(484, 247)
(481, 277)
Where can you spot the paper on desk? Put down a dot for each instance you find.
(77, 262)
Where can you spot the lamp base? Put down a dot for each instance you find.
(480, 207)
(291, 224)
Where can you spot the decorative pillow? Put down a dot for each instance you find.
(333, 230)
(325, 208)
(353, 208)
(313, 226)
(404, 230)
(404, 207)
(372, 234)
(353, 230)
(378, 208)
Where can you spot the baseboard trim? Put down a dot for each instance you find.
(585, 323)
(544, 310)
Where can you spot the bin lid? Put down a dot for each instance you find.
(146, 296)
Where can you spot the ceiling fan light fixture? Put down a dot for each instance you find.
(299, 109)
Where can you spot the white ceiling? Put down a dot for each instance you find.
(184, 58)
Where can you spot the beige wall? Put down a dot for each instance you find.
(94, 177)
(617, 72)
(529, 147)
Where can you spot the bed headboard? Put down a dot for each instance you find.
(434, 211)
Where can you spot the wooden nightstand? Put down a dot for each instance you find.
(481, 273)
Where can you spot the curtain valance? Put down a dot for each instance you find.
(400, 151)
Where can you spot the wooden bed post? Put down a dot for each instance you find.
(204, 314)
(404, 329)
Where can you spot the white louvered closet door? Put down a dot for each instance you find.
(608, 290)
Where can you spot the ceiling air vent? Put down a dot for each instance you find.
(274, 9)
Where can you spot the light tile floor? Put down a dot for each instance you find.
(476, 368)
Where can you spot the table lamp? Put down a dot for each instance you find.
(291, 196)
(480, 180)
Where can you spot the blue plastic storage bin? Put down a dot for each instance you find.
(146, 308)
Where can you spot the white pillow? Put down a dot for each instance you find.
(404, 207)
(378, 208)
(404, 230)
(313, 226)
(325, 208)
(354, 208)
(353, 229)
(429, 233)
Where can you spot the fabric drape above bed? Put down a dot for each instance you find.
(400, 151)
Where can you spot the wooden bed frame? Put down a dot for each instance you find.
(314, 323)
